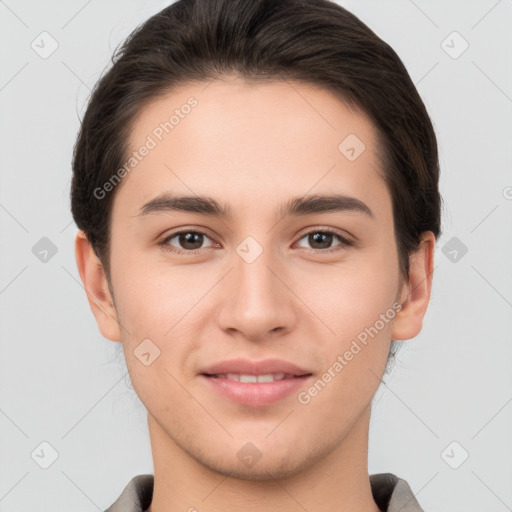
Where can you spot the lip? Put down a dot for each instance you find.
(246, 366)
(256, 394)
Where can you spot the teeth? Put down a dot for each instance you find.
(270, 377)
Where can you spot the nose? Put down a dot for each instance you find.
(256, 300)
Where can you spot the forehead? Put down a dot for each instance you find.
(238, 140)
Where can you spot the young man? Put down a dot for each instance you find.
(256, 187)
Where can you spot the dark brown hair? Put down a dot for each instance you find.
(311, 41)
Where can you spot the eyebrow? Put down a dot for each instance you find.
(296, 206)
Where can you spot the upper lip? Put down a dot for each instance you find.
(248, 367)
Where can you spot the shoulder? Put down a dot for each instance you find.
(393, 494)
(136, 496)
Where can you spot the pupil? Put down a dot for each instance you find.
(317, 238)
(189, 238)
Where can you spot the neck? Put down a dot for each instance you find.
(336, 482)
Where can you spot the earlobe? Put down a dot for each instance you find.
(415, 293)
(96, 286)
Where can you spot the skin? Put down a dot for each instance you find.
(254, 146)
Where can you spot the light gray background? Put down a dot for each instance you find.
(62, 383)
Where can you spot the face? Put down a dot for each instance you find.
(275, 277)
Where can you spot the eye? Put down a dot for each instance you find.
(189, 241)
(321, 240)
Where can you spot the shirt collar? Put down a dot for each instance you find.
(391, 494)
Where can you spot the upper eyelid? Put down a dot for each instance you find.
(183, 231)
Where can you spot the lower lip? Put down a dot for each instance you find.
(256, 394)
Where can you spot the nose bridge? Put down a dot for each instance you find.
(252, 269)
(257, 301)
(255, 281)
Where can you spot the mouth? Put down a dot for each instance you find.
(275, 369)
(255, 390)
(250, 378)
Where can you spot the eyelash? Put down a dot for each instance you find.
(342, 245)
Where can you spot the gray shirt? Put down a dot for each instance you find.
(391, 494)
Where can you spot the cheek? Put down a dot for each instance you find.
(170, 306)
(153, 311)
(159, 306)
(346, 296)
(352, 295)
(148, 300)
(358, 307)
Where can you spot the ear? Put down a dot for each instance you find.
(96, 286)
(415, 292)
